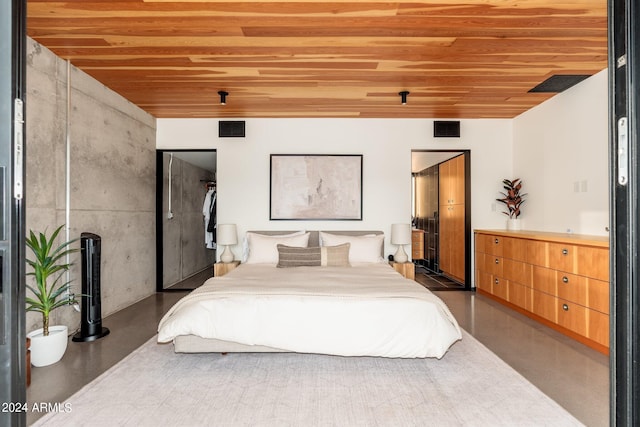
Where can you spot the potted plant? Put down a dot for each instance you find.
(48, 343)
(512, 199)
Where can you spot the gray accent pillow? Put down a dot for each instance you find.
(289, 256)
(326, 256)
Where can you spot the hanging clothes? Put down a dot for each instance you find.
(209, 212)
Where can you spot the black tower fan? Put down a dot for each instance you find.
(91, 325)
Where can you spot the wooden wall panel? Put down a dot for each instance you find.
(326, 59)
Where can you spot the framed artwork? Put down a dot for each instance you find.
(316, 187)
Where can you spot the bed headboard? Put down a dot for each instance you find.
(314, 237)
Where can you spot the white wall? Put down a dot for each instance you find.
(386, 144)
(560, 151)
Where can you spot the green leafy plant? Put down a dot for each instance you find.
(47, 267)
(511, 197)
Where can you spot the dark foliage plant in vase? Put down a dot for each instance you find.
(513, 200)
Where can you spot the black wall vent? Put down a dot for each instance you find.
(231, 129)
(446, 129)
(559, 82)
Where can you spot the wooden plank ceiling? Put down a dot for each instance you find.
(473, 59)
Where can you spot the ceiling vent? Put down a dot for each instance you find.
(446, 129)
(230, 129)
(559, 82)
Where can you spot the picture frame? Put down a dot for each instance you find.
(315, 187)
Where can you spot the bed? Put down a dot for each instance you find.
(281, 300)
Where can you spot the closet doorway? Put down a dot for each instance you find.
(184, 260)
(441, 218)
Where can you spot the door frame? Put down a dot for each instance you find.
(160, 212)
(467, 207)
(624, 117)
(12, 224)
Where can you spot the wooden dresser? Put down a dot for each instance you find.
(561, 280)
(417, 244)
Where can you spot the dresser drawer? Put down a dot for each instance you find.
(544, 305)
(572, 288)
(562, 257)
(493, 245)
(572, 316)
(544, 280)
(515, 249)
(598, 295)
(500, 287)
(517, 271)
(519, 295)
(537, 252)
(599, 327)
(493, 264)
(593, 262)
(417, 235)
(484, 281)
(489, 263)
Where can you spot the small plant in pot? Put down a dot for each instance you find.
(512, 199)
(49, 343)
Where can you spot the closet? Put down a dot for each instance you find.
(441, 235)
(185, 248)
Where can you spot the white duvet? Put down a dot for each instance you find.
(363, 310)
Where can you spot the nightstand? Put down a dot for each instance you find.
(407, 269)
(222, 268)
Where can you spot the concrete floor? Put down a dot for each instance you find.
(570, 373)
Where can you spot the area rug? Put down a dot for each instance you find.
(153, 386)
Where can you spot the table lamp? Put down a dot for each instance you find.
(400, 235)
(226, 236)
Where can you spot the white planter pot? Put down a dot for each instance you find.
(50, 349)
(513, 224)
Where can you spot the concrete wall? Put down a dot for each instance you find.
(112, 177)
(184, 252)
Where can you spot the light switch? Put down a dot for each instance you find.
(583, 186)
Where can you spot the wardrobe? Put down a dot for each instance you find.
(452, 218)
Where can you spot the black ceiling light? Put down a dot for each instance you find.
(403, 96)
(223, 97)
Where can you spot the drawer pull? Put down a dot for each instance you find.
(565, 307)
(565, 279)
(496, 281)
(496, 241)
(497, 261)
(565, 252)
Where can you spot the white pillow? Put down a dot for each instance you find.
(247, 237)
(367, 248)
(263, 249)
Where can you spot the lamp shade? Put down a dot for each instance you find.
(400, 234)
(226, 234)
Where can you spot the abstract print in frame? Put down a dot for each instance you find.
(316, 187)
